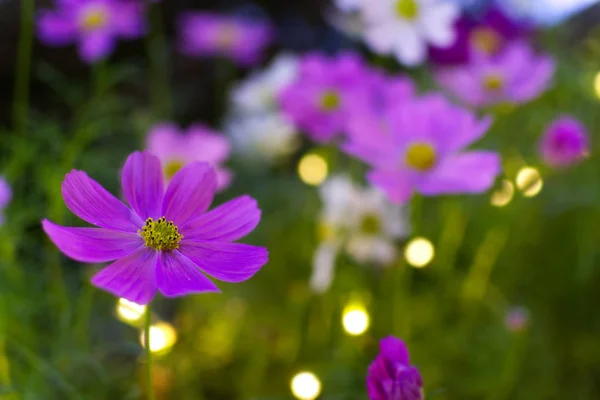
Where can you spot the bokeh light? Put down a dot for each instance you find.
(128, 311)
(504, 194)
(529, 181)
(355, 319)
(162, 337)
(312, 169)
(597, 84)
(419, 252)
(306, 386)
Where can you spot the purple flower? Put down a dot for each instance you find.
(419, 148)
(517, 75)
(564, 143)
(242, 40)
(5, 196)
(167, 239)
(325, 93)
(390, 376)
(516, 319)
(483, 36)
(94, 25)
(175, 149)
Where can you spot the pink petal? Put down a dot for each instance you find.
(190, 193)
(95, 47)
(397, 185)
(132, 277)
(229, 262)
(178, 276)
(56, 29)
(92, 244)
(165, 141)
(92, 203)
(142, 181)
(228, 222)
(394, 349)
(471, 172)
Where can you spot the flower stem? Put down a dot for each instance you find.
(23, 68)
(150, 387)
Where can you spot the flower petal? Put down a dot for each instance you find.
(92, 203)
(470, 172)
(229, 262)
(55, 28)
(228, 222)
(142, 181)
(397, 185)
(95, 47)
(92, 244)
(394, 349)
(178, 276)
(190, 193)
(132, 277)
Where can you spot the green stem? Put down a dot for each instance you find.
(23, 68)
(147, 325)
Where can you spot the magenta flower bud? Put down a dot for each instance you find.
(390, 376)
(564, 143)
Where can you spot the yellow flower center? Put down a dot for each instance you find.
(493, 82)
(407, 9)
(330, 100)
(486, 40)
(326, 232)
(94, 19)
(420, 156)
(160, 234)
(172, 167)
(227, 35)
(370, 224)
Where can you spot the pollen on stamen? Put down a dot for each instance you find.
(160, 234)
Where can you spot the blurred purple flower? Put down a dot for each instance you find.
(166, 240)
(175, 149)
(5, 196)
(564, 143)
(484, 36)
(516, 75)
(240, 39)
(418, 148)
(325, 93)
(390, 376)
(95, 25)
(516, 319)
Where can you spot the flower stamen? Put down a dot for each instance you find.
(160, 234)
(407, 9)
(94, 19)
(420, 156)
(493, 82)
(172, 167)
(486, 40)
(330, 100)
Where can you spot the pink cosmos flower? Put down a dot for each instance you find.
(516, 75)
(5, 196)
(205, 34)
(167, 239)
(325, 93)
(95, 25)
(390, 376)
(419, 148)
(564, 143)
(175, 149)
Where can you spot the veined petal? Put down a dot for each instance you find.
(177, 276)
(92, 203)
(132, 277)
(142, 181)
(92, 244)
(229, 262)
(228, 222)
(190, 193)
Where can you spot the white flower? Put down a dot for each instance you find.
(263, 137)
(404, 28)
(359, 220)
(259, 92)
(349, 5)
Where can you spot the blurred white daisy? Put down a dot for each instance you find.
(404, 28)
(359, 221)
(259, 131)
